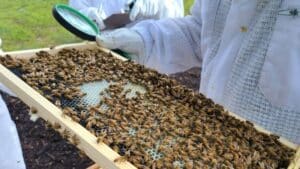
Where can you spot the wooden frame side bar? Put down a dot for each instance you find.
(297, 158)
(295, 164)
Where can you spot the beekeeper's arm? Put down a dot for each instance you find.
(142, 9)
(155, 9)
(98, 10)
(169, 45)
(90, 9)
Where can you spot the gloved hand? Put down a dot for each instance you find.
(124, 39)
(95, 15)
(143, 9)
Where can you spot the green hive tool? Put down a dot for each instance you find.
(79, 24)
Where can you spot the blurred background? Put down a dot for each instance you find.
(27, 24)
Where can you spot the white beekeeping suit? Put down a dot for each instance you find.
(248, 50)
(98, 10)
(10, 149)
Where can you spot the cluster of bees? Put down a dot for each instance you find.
(186, 129)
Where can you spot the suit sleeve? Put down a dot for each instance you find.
(172, 45)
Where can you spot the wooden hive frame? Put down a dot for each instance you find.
(100, 153)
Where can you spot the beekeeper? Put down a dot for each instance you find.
(10, 149)
(249, 52)
(98, 10)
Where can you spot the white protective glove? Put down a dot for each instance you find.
(144, 9)
(10, 149)
(95, 15)
(124, 39)
(90, 9)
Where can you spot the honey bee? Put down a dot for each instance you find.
(52, 47)
(115, 148)
(48, 124)
(273, 136)
(49, 97)
(56, 93)
(57, 103)
(56, 126)
(154, 164)
(46, 88)
(100, 139)
(89, 124)
(163, 148)
(75, 140)
(66, 134)
(82, 154)
(113, 123)
(75, 118)
(61, 74)
(69, 111)
(121, 159)
(33, 110)
(168, 159)
(64, 113)
(83, 115)
(69, 96)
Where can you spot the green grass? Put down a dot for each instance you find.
(27, 24)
